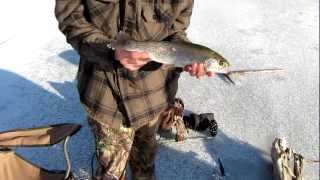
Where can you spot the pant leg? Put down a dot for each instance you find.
(143, 151)
(112, 148)
(172, 83)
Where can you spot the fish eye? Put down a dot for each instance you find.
(221, 63)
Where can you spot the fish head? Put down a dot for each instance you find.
(217, 65)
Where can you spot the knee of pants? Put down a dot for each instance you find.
(143, 151)
(113, 147)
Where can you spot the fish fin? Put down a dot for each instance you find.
(226, 78)
(122, 36)
(121, 40)
(229, 79)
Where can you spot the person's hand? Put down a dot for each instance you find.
(198, 70)
(132, 60)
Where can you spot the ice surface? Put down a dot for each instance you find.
(37, 71)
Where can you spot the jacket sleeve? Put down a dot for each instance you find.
(83, 36)
(182, 22)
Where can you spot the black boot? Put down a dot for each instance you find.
(202, 122)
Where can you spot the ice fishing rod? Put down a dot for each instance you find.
(226, 76)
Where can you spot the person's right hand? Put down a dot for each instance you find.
(132, 60)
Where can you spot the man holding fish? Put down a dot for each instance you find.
(131, 56)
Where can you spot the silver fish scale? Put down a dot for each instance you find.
(179, 54)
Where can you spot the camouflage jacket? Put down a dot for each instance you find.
(110, 93)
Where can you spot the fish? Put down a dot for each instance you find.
(181, 54)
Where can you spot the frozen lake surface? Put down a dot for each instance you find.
(38, 68)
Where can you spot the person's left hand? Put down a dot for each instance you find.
(132, 60)
(198, 70)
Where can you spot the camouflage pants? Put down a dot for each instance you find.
(116, 146)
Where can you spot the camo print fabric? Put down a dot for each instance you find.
(115, 147)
